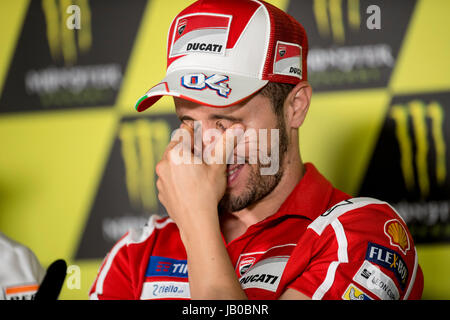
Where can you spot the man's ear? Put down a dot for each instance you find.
(298, 101)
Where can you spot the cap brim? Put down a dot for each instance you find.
(211, 91)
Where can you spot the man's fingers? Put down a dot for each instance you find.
(170, 146)
(181, 146)
(190, 130)
(224, 148)
(183, 136)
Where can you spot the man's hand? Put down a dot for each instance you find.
(190, 193)
(190, 190)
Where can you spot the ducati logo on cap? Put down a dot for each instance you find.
(288, 60)
(200, 33)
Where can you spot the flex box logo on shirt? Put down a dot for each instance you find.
(388, 259)
(166, 267)
(288, 57)
(200, 32)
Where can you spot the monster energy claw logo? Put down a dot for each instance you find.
(62, 39)
(419, 112)
(329, 18)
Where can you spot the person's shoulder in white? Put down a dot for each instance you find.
(20, 270)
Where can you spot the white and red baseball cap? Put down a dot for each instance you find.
(220, 52)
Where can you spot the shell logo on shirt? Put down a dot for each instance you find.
(397, 235)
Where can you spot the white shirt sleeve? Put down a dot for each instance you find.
(20, 271)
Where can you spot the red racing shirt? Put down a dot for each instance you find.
(320, 242)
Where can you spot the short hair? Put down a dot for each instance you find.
(277, 93)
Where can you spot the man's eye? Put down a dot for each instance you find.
(189, 123)
(220, 126)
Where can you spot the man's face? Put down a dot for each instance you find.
(245, 183)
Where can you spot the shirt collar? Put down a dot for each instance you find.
(310, 198)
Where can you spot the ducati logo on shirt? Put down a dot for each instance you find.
(265, 274)
(181, 26)
(263, 269)
(246, 264)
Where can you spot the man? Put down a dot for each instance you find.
(234, 230)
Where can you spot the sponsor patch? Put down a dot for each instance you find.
(201, 33)
(165, 290)
(266, 274)
(199, 81)
(283, 250)
(21, 292)
(245, 264)
(288, 59)
(397, 235)
(388, 259)
(354, 293)
(166, 267)
(376, 281)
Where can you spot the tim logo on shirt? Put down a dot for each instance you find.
(166, 267)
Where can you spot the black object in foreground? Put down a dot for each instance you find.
(53, 281)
